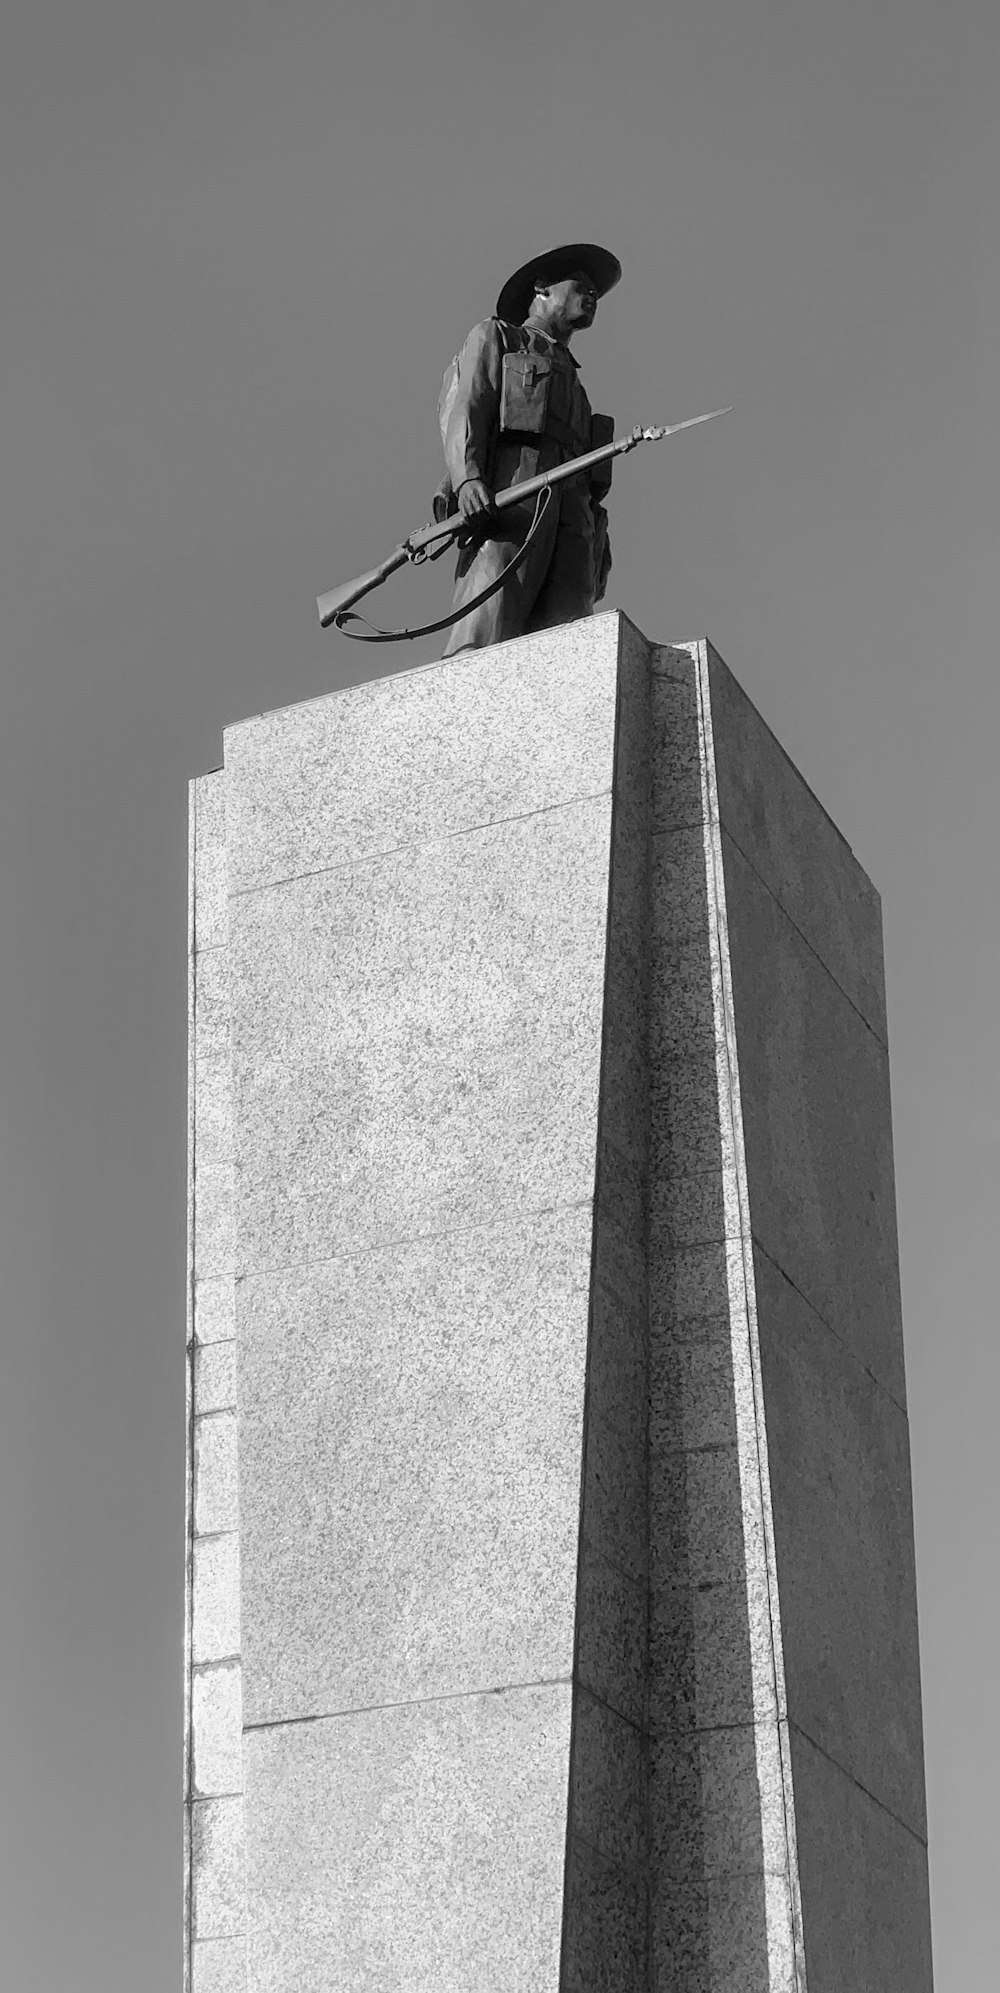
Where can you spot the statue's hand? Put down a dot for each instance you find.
(474, 498)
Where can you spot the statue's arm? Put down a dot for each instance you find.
(471, 411)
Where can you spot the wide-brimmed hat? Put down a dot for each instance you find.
(603, 269)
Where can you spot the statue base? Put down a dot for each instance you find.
(552, 1615)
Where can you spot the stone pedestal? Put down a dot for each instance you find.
(552, 1623)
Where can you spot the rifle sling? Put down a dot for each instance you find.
(374, 635)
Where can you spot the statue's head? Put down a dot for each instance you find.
(564, 285)
(565, 305)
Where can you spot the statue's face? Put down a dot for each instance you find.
(571, 304)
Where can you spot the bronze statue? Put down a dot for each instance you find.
(513, 406)
(528, 468)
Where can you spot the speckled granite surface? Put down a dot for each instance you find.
(551, 1614)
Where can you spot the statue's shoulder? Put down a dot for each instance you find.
(513, 338)
(497, 331)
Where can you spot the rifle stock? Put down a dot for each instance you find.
(336, 600)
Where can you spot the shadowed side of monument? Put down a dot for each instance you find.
(722, 1868)
(807, 991)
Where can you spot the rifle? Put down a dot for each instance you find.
(336, 606)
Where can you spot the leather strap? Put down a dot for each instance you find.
(373, 635)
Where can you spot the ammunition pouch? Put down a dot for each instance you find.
(535, 404)
(525, 393)
(528, 416)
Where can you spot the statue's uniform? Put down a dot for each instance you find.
(512, 405)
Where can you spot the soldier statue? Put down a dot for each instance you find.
(512, 406)
(532, 530)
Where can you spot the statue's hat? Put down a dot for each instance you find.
(603, 269)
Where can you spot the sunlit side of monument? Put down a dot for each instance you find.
(551, 1614)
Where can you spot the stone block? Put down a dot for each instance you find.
(705, 1811)
(682, 1018)
(482, 739)
(625, 1082)
(691, 1211)
(605, 1945)
(677, 801)
(710, 1936)
(213, 1135)
(417, 1042)
(795, 849)
(210, 884)
(673, 660)
(614, 1506)
(411, 1847)
(684, 1101)
(216, 1494)
(699, 1663)
(469, 1132)
(619, 1274)
(215, 1377)
(679, 910)
(614, 1519)
(215, 1309)
(608, 1791)
(216, 1598)
(696, 1518)
(692, 1406)
(214, 1249)
(219, 1965)
(864, 1884)
(217, 1729)
(211, 1004)
(612, 1612)
(450, 1566)
(818, 1149)
(840, 1491)
(688, 1289)
(217, 1868)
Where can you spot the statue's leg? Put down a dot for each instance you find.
(507, 613)
(569, 586)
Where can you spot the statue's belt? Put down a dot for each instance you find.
(554, 431)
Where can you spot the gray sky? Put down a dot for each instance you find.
(240, 243)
